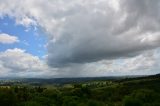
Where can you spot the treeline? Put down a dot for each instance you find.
(127, 93)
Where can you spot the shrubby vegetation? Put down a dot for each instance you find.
(137, 92)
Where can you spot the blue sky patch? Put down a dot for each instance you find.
(31, 40)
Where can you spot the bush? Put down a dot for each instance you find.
(129, 101)
(32, 103)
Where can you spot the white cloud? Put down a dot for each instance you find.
(17, 63)
(8, 39)
(26, 21)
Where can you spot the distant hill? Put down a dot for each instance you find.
(74, 80)
(148, 77)
(61, 81)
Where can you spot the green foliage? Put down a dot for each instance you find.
(95, 103)
(125, 93)
(129, 101)
(31, 103)
(7, 97)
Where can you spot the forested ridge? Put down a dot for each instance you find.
(144, 91)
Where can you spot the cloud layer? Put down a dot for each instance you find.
(84, 33)
(18, 63)
(8, 39)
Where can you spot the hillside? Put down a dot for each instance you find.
(142, 91)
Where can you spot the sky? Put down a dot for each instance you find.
(79, 38)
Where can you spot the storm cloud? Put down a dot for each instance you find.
(106, 30)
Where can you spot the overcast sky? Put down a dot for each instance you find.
(79, 38)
